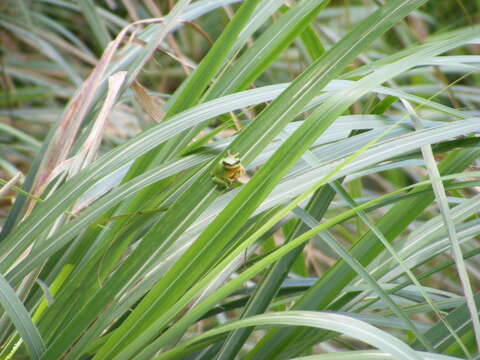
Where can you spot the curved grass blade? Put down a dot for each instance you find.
(339, 323)
(370, 355)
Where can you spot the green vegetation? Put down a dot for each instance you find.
(226, 179)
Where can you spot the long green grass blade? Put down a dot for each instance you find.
(441, 196)
(21, 319)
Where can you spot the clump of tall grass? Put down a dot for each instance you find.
(135, 233)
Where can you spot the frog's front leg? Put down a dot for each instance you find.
(221, 182)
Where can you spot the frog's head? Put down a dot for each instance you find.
(231, 161)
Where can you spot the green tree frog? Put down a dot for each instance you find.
(227, 170)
